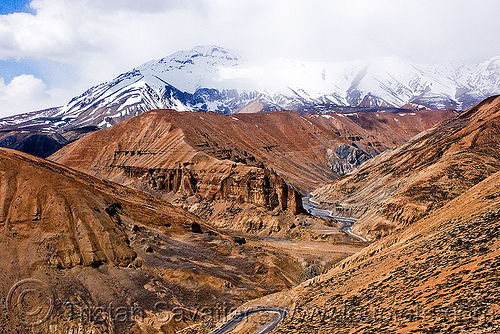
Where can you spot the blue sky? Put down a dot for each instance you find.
(53, 73)
(14, 6)
(53, 50)
(11, 68)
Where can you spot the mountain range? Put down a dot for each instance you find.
(189, 209)
(211, 78)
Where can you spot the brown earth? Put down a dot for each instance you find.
(300, 149)
(95, 243)
(402, 186)
(439, 275)
(244, 171)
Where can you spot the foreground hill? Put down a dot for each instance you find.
(438, 275)
(400, 187)
(94, 244)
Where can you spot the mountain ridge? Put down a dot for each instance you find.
(401, 186)
(326, 145)
(211, 78)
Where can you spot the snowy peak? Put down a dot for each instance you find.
(211, 54)
(193, 69)
(486, 76)
(211, 78)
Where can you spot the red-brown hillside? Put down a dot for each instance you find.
(439, 275)
(399, 187)
(94, 242)
(304, 150)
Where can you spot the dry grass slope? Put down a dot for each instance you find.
(402, 186)
(441, 274)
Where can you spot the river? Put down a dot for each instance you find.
(311, 208)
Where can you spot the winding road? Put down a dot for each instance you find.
(282, 312)
(266, 328)
(310, 207)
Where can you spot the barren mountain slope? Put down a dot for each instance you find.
(96, 244)
(439, 275)
(401, 186)
(233, 171)
(307, 151)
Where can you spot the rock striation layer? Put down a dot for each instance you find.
(402, 186)
(97, 246)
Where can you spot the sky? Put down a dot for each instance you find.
(53, 50)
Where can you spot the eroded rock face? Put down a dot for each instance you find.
(345, 158)
(239, 184)
(179, 153)
(306, 151)
(71, 225)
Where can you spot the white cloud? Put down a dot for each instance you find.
(23, 93)
(103, 38)
(24, 86)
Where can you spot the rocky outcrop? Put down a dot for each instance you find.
(294, 202)
(178, 180)
(241, 184)
(345, 158)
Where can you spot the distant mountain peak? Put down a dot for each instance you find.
(212, 78)
(192, 69)
(210, 54)
(211, 49)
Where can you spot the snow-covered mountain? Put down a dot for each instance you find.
(215, 79)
